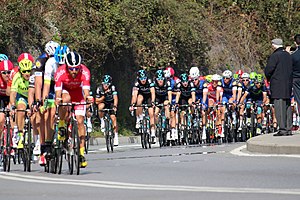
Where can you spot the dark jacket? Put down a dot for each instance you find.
(279, 71)
(296, 63)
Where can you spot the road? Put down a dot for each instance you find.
(197, 172)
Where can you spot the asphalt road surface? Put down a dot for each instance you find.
(194, 172)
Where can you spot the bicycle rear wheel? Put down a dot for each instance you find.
(28, 148)
(87, 142)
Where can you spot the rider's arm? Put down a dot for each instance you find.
(193, 93)
(205, 92)
(265, 99)
(234, 90)
(218, 94)
(239, 93)
(135, 91)
(243, 97)
(116, 100)
(152, 90)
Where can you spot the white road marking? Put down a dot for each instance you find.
(133, 186)
(238, 151)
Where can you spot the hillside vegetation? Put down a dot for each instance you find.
(119, 36)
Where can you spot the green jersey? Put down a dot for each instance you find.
(20, 85)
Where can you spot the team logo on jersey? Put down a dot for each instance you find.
(38, 64)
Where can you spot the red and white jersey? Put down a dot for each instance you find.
(12, 74)
(64, 80)
(212, 91)
(3, 86)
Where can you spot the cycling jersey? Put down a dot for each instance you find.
(255, 94)
(20, 85)
(143, 89)
(161, 92)
(64, 80)
(185, 92)
(109, 94)
(3, 86)
(227, 89)
(212, 91)
(199, 89)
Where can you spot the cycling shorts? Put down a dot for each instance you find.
(77, 96)
(226, 97)
(20, 99)
(146, 98)
(161, 99)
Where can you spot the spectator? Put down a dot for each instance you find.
(279, 71)
(296, 70)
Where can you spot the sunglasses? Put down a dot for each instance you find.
(244, 80)
(143, 78)
(73, 68)
(160, 79)
(195, 79)
(26, 72)
(5, 72)
(257, 82)
(226, 78)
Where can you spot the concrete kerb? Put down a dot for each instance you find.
(269, 144)
(94, 141)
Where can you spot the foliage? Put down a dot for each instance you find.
(119, 36)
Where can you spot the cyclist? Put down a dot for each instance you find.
(47, 109)
(19, 95)
(201, 95)
(143, 92)
(245, 84)
(252, 76)
(72, 84)
(170, 76)
(229, 88)
(257, 93)
(185, 94)
(238, 75)
(107, 98)
(163, 95)
(5, 68)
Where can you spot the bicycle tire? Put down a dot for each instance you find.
(142, 139)
(111, 138)
(76, 147)
(70, 158)
(107, 141)
(28, 147)
(87, 142)
(253, 126)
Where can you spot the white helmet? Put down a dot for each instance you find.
(167, 73)
(50, 47)
(216, 77)
(245, 75)
(227, 74)
(194, 72)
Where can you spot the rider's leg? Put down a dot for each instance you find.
(115, 127)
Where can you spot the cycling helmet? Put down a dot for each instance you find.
(235, 76)
(50, 47)
(252, 75)
(167, 73)
(216, 77)
(25, 56)
(259, 78)
(107, 79)
(171, 70)
(60, 54)
(184, 77)
(6, 65)
(160, 75)
(25, 65)
(245, 75)
(73, 59)
(227, 74)
(142, 75)
(239, 73)
(208, 78)
(3, 57)
(194, 72)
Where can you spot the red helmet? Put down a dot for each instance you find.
(171, 70)
(25, 56)
(6, 65)
(239, 72)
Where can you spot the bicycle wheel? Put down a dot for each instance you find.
(111, 138)
(28, 147)
(70, 158)
(76, 147)
(253, 126)
(142, 138)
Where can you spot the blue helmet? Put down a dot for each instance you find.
(60, 54)
(142, 75)
(107, 79)
(184, 77)
(160, 75)
(3, 57)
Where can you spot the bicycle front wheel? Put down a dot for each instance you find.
(76, 147)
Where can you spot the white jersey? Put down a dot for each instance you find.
(50, 69)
